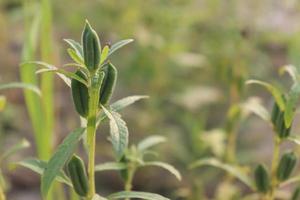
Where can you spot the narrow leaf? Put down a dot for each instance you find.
(104, 54)
(75, 56)
(137, 195)
(165, 166)
(276, 93)
(118, 131)
(254, 105)
(150, 142)
(291, 70)
(234, 170)
(15, 148)
(39, 166)
(76, 46)
(60, 157)
(26, 86)
(290, 108)
(110, 166)
(119, 45)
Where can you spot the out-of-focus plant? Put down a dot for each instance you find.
(92, 85)
(134, 159)
(267, 182)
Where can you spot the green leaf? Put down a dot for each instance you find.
(291, 103)
(75, 56)
(2, 102)
(234, 170)
(294, 140)
(150, 142)
(137, 195)
(110, 166)
(165, 166)
(276, 93)
(119, 45)
(39, 166)
(104, 54)
(58, 160)
(76, 46)
(26, 86)
(15, 148)
(118, 132)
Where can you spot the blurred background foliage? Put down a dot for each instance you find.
(191, 57)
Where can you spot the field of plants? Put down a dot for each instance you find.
(149, 99)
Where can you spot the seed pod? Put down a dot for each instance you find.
(91, 47)
(277, 119)
(286, 166)
(80, 95)
(261, 178)
(296, 194)
(108, 83)
(77, 173)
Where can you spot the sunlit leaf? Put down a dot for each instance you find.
(75, 56)
(276, 93)
(165, 166)
(118, 131)
(137, 195)
(39, 166)
(291, 70)
(150, 142)
(104, 54)
(233, 170)
(60, 157)
(110, 166)
(26, 86)
(119, 45)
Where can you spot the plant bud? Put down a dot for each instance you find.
(286, 166)
(91, 47)
(77, 173)
(261, 178)
(80, 95)
(108, 84)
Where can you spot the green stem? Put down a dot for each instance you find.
(128, 182)
(91, 130)
(275, 160)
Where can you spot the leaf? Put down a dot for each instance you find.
(150, 142)
(137, 195)
(234, 170)
(60, 157)
(121, 104)
(291, 103)
(165, 166)
(15, 148)
(39, 166)
(110, 166)
(291, 180)
(26, 86)
(75, 56)
(104, 54)
(276, 93)
(294, 140)
(2, 102)
(118, 132)
(254, 105)
(48, 66)
(119, 45)
(76, 46)
(291, 70)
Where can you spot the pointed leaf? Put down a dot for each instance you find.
(118, 131)
(291, 70)
(233, 170)
(75, 56)
(110, 166)
(276, 93)
(39, 166)
(137, 195)
(60, 157)
(119, 45)
(26, 86)
(165, 166)
(254, 105)
(150, 142)
(294, 140)
(104, 54)
(76, 46)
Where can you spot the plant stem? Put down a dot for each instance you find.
(91, 130)
(275, 161)
(128, 183)
(2, 195)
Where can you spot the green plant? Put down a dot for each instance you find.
(267, 182)
(92, 84)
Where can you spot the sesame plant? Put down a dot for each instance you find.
(92, 84)
(269, 183)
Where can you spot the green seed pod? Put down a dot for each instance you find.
(91, 47)
(286, 166)
(80, 95)
(77, 173)
(296, 194)
(275, 113)
(261, 178)
(108, 83)
(277, 119)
